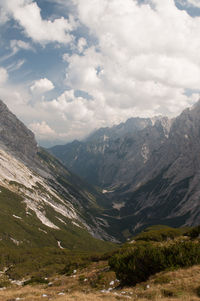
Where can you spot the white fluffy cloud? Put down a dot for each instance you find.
(41, 86)
(28, 15)
(146, 58)
(144, 61)
(42, 130)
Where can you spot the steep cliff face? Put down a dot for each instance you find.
(41, 198)
(15, 137)
(167, 189)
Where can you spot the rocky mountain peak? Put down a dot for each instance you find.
(14, 135)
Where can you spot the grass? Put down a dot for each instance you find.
(27, 229)
(181, 285)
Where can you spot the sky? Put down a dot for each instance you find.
(68, 67)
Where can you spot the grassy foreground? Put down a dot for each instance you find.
(183, 284)
(54, 274)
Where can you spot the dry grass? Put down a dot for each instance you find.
(169, 286)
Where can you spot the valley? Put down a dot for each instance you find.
(147, 168)
(67, 238)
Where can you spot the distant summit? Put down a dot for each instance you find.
(112, 156)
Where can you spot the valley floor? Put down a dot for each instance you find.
(96, 282)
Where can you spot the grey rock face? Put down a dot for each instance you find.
(113, 156)
(150, 168)
(167, 188)
(19, 142)
(14, 135)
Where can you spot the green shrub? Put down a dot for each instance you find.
(137, 264)
(159, 233)
(74, 264)
(36, 280)
(194, 233)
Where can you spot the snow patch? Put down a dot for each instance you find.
(118, 206)
(40, 215)
(62, 209)
(107, 191)
(60, 219)
(75, 224)
(59, 245)
(18, 217)
(15, 241)
(41, 230)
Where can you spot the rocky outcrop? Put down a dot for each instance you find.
(15, 137)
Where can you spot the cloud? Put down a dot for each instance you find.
(28, 15)
(41, 86)
(3, 16)
(189, 3)
(42, 130)
(138, 60)
(145, 58)
(194, 3)
(16, 65)
(16, 45)
(3, 76)
(82, 44)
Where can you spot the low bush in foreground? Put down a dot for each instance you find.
(194, 232)
(136, 264)
(36, 280)
(160, 233)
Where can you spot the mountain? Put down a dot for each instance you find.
(150, 172)
(41, 202)
(111, 156)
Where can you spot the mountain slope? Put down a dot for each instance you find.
(42, 203)
(112, 156)
(169, 183)
(150, 174)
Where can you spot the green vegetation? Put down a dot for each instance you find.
(21, 230)
(194, 233)
(160, 233)
(154, 250)
(43, 262)
(36, 280)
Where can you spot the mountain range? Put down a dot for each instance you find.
(147, 167)
(108, 187)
